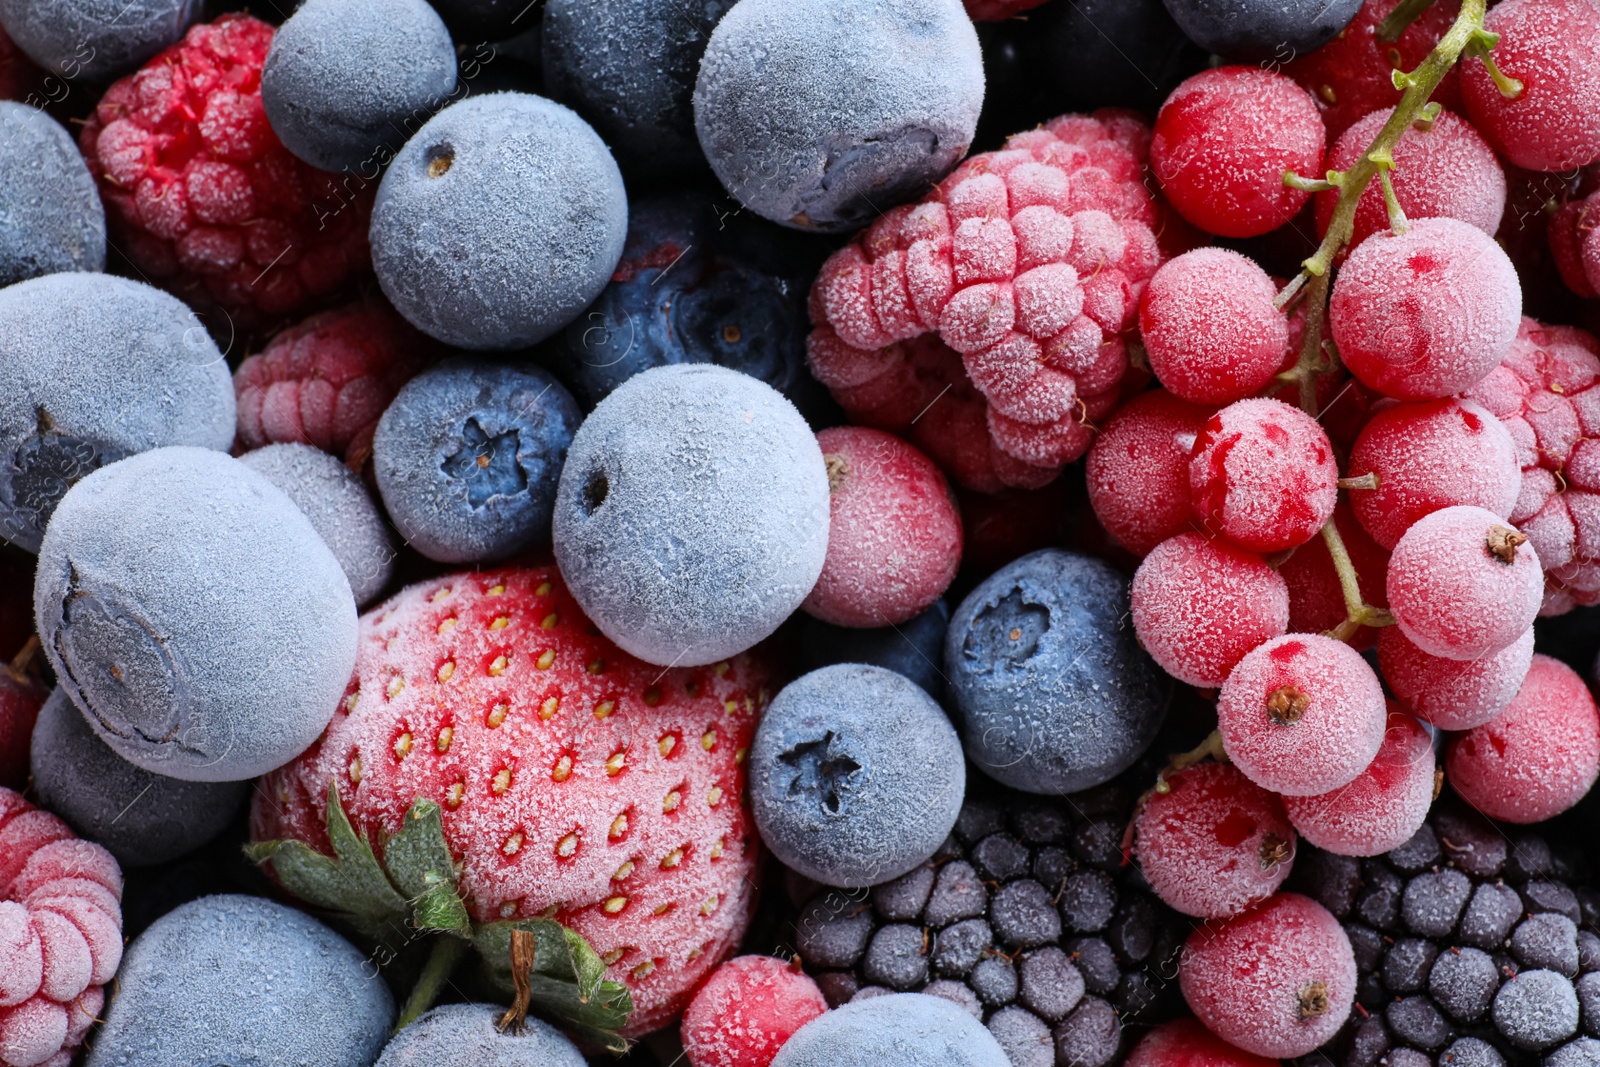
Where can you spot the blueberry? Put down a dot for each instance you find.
(193, 613)
(465, 1035)
(498, 222)
(856, 776)
(819, 114)
(93, 369)
(1048, 684)
(50, 214)
(914, 649)
(1094, 53)
(347, 80)
(95, 40)
(897, 1030)
(143, 818)
(692, 516)
(467, 458)
(233, 979)
(1254, 30)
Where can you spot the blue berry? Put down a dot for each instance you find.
(894, 1030)
(819, 114)
(692, 516)
(50, 214)
(1252, 30)
(465, 1035)
(1047, 681)
(234, 979)
(143, 818)
(856, 776)
(338, 505)
(914, 649)
(95, 368)
(498, 222)
(95, 40)
(346, 80)
(194, 614)
(467, 457)
(1094, 53)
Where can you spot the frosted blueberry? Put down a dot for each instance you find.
(50, 214)
(95, 40)
(465, 1035)
(893, 1030)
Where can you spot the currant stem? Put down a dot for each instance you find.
(1397, 214)
(1404, 14)
(1358, 612)
(446, 952)
(1308, 185)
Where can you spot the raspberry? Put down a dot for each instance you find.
(1453, 694)
(1222, 142)
(1301, 715)
(746, 1010)
(1028, 262)
(1426, 313)
(1185, 1043)
(1316, 599)
(326, 381)
(1277, 981)
(1262, 474)
(1538, 757)
(1210, 328)
(1200, 605)
(1383, 807)
(1212, 843)
(995, 10)
(1138, 470)
(203, 197)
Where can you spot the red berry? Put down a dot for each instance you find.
(21, 697)
(1186, 1043)
(1539, 757)
(1316, 599)
(1222, 142)
(1301, 714)
(746, 1010)
(1199, 605)
(1138, 469)
(1383, 807)
(1453, 694)
(1588, 222)
(1553, 48)
(995, 10)
(894, 534)
(1567, 231)
(1212, 843)
(1462, 584)
(1426, 313)
(1429, 455)
(1210, 328)
(1262, 474)
(1277, 981)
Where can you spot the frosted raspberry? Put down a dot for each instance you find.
(1277, 981)
(326, 381)
(205, 200)
(1212, 843)
(1222, 142)
(1210, 328)
(1028, 262)
(1186, 1043)
(1539, 757)
(1429, 455)
(1316, 599)
(894, 534)
(746, 1010)
(1462, 584)
(1199, 605)
(1138, 469)
(1262, 474)
(1301, 714)
(1545, 394)
(60, 934)
(1453, 694)
(1383, 807)
(995, 10)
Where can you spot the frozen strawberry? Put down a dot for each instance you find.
(746, 1010)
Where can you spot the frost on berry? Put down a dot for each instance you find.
(746, 1010)
(1537, 758)
(1213, 844)
(1383, 807)
(1262, 474)
(1210, 328)
(1199, 605)
(1453, 694)
(1576, 253)
(1028, 262)
(1316, 599)
(1186, 1043)
(1138, 469)
(1427, 313)
(1301, 714)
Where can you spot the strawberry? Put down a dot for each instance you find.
(571, 782)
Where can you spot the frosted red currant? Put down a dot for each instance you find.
(1453, 694)
(1386, 804)
(1138, 469)
(1263, 475)
(1210, 327)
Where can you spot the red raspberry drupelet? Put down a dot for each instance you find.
(994, 10)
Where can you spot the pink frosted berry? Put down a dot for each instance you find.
(1138, 469)
(1589, 253)
(1186, 1043)
(1277, 981)
(746, 1010)
(1426, 313)
(1385, 805)
(1567, 233)
(1210, 328)
(1429, 455)
(1538, 757)
(894, 535)
(1301, 714)
(1316, 599)
(1453, 694)
(1212, 843)
(1262, 474)
(1199, 605)
(1462, 584)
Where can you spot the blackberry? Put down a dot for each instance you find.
(1027, 917)
(1474, 948)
